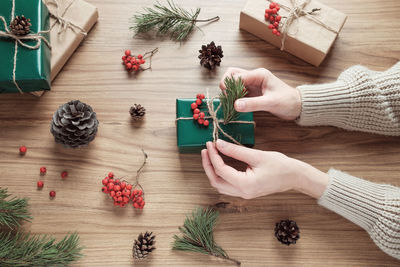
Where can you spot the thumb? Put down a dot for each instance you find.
(250, 104)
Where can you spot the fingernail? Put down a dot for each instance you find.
(240, 104)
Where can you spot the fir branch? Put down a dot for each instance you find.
(234, 90)
(28, 250)
(13, 211)
(198, 235)
(169, 18)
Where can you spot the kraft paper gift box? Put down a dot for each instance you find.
(309, 37)
(32, 66)
(192, 137)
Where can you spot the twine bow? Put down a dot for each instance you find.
(296, 11)
(212, 111)
(19, 40)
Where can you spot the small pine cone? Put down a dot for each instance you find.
(287, 232)
(210, 55)
(20, 25)
(144, 245)
(137, 112)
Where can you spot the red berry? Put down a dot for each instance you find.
(104, 181)
(270, 26)
(198, 96)
(64, 174)
(111, 175)
(22, 150)
(129, 65)
(52, 193)
(272, 5)
(202, 96)
(196, 111)
(129, 186)
(129, 58)
(135, 68)
(276, 24)
(118, 193)
(127, 192)
(206, 123)
(117, 188)
(119, 199)
(140, 192)
(202, 115)
(40, 184)
(142, 204)
(127, 52)
(201, 121)
(117, 181)
(278, 7)
(139, 56)
(125, 199)
(272, 19)
(110, 180)
(110, 186)
(142, 61)
(112, 193)
(278, 33)
(266, 16)
(135, 192)
(198, 102)
(116, 203)
(274, 31)
(43, 170)
(195, 116)
(268, 11)
(274, 11)
(136, 205)
(193, 105)
(139, 199)
(278, 18)
(104, 189)
(123, 185)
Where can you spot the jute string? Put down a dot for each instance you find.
(296, 11)
(212, 111)
(19, 40)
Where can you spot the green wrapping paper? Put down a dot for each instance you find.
(192, 137)
(32, 66)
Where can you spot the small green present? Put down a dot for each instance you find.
(32, 66)
(192, 137)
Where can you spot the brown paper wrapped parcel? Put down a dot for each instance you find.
(309, 37)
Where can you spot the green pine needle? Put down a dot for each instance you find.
(234, 90)
(13, 211)
(165, 19)
(198, 235)
(28, 250)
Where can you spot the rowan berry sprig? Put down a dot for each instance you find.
(198, 115)
(133, 63)
(271, 15)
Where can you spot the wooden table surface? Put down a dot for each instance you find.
(174, 183)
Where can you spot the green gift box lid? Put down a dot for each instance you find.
(32, 72)
(192, 137)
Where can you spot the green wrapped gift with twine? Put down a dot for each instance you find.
(24, 46)
(223, 121)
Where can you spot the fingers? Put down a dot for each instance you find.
(218, 183)
(224, 171)
(245, 154)
(231, 71)
(249, 104)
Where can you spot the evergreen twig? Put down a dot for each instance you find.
(234, 90)
(13, 211)
(198, 235)
(28, 250)
(168, 18)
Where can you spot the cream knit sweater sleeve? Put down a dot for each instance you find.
(360, 100)
(374, 207)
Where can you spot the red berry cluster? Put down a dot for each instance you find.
(121, 192)
(271, 15)
(131, 62)
(198, 115)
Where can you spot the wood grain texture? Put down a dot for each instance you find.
(174, 183)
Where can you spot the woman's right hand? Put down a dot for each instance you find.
(266, 93)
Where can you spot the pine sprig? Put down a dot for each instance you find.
(198, 236)
(234, 90)
(28, 250)
(13, 211)
(168, 18)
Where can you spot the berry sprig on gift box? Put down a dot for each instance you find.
(134, 63)
(198, 115)
(271, 15)
(122, 192)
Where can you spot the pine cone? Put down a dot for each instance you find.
(137, 112)
(74, 124)
(144, 245)
(287, 232)
(20, 25)
(210, 55)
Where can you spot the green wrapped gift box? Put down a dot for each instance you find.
(192, 137)
(32, 69)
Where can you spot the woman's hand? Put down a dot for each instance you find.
(267, 172)
(266, 93)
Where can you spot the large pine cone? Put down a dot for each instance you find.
(74, 124)
(144, 245)
(287, 232)
(20, 26)
(210, 55)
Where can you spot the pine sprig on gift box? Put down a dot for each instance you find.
(168, 18)
(13, 211)
(234, 90)
(197, 235)
(28, 250)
